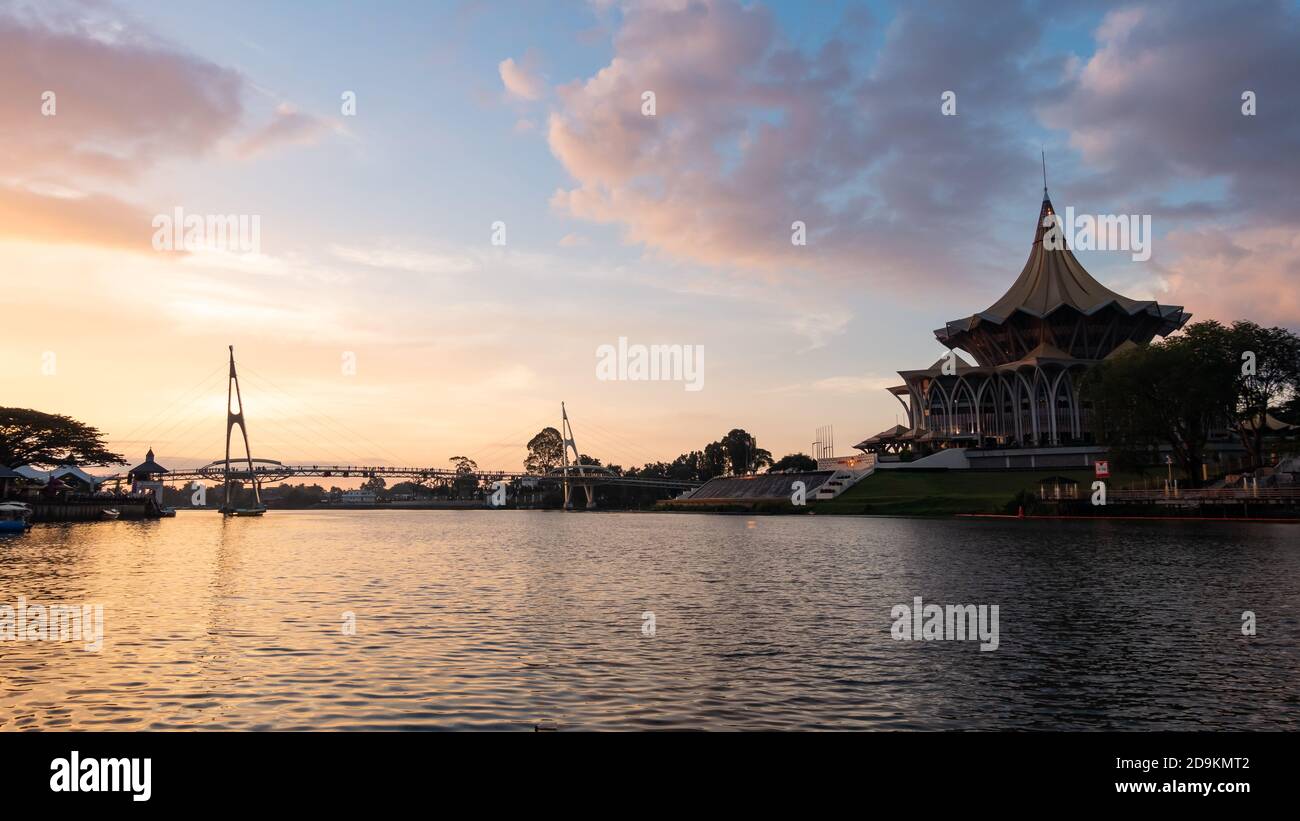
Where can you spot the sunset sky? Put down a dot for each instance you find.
(674, 229)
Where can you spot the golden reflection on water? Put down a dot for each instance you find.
(503, 619)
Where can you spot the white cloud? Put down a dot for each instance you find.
(403, 259)
(520, 80)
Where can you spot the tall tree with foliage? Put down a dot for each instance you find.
(29, 437)
(545, 451)
(799, 462)
(463, 464)
(466, 482)
(743, 453)
(714, 461)
(1170, 393)
(689, 467)
(1268, 379)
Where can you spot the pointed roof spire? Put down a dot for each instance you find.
(146, 469)
(1054, 279)
(1044, 153)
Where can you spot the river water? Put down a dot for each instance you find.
(504, 619)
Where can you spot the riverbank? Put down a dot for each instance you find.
(90, 510)
(948, 492)
(969, 493)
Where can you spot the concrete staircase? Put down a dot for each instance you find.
(839, 482)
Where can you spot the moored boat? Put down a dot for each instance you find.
(14, 517)
(244, 511)
(109, 513)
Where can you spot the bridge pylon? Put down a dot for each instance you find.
(566, 434)
(236, 417)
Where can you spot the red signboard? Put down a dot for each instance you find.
(1103, 468)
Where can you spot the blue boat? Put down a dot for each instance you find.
(14, 517)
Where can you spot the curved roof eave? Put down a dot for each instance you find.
(1148, 306)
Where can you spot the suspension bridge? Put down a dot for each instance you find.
(256, 472)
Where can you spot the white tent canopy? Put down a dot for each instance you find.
(58, 473)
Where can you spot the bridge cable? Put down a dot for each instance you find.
(157, 419)
(322, 438)
(631, 448)
(318, 426)
(346, 430)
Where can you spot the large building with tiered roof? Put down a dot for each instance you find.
(1030, 349)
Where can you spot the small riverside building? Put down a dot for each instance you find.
(359, 497)
(63, 477)
(147, 477)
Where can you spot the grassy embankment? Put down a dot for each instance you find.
(945, 493)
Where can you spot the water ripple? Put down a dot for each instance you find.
(503, 620)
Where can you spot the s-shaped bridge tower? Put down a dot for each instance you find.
(236, 417)
(566, 434)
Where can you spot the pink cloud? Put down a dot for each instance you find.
(1244, 274)
(121, 105)
(288, 126)
(751, 135)
(521, 80)
(1159, 105)
(97, 219)
(1160, 99)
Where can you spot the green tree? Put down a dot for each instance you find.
(545, 451)
(743, 453)
(1268, 378)
(463, 464)
(714, 461)
(689, 467)
(1171, 393)
(654, 470)
(416, 489)
(29, 437)
(794, 462)
(466, 481)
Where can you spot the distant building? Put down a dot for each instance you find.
(71, 476)
(147, 477)
(359, 497)
(1031, 349)
(146, 470)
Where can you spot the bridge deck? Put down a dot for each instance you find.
(267, 471)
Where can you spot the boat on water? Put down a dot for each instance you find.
(244, 511)
(109, 513)
(167, 512)
(14, 517)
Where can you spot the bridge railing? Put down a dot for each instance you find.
(270, 471)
